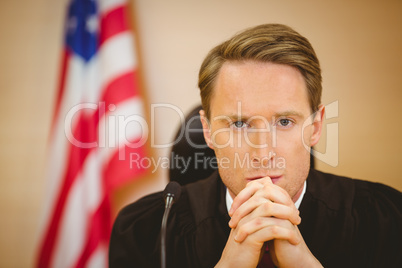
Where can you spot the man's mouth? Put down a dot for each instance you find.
(274, 179)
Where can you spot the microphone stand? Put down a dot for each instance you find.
(168, 206)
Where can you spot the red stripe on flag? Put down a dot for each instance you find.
(112, 23)
(119, 172)
(121, 88)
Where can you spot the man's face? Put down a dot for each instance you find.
(261, 124)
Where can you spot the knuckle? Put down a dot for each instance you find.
(267, 206)
(267, 188)
(254, 202)
(253, 184)
(267, 194)
(242, 231)
(274, 230)
(258, 221)
(295, 238)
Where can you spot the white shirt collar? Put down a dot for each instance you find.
(229, 199)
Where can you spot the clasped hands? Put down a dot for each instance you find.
(264, 212)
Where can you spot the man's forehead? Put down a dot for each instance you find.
(253, 88)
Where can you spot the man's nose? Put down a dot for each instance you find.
(261, 146)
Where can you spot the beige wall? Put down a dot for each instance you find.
(358, 43)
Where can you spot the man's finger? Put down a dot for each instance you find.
(265, 209)
(266, 229)
(245, 195)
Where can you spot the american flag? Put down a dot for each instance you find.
(98, 124)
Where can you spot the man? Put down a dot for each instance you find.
(261, 93)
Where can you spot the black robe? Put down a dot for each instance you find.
(345, 223)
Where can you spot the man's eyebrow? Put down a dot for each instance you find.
(238, 117)
(231, 118)
(288, 113)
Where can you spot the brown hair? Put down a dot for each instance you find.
(275, 43)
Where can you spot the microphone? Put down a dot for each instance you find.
(171, 194)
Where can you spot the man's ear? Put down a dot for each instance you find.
(317, 125)
(206, 128)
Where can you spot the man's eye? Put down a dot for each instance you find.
(284, 122)
(239, 124)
